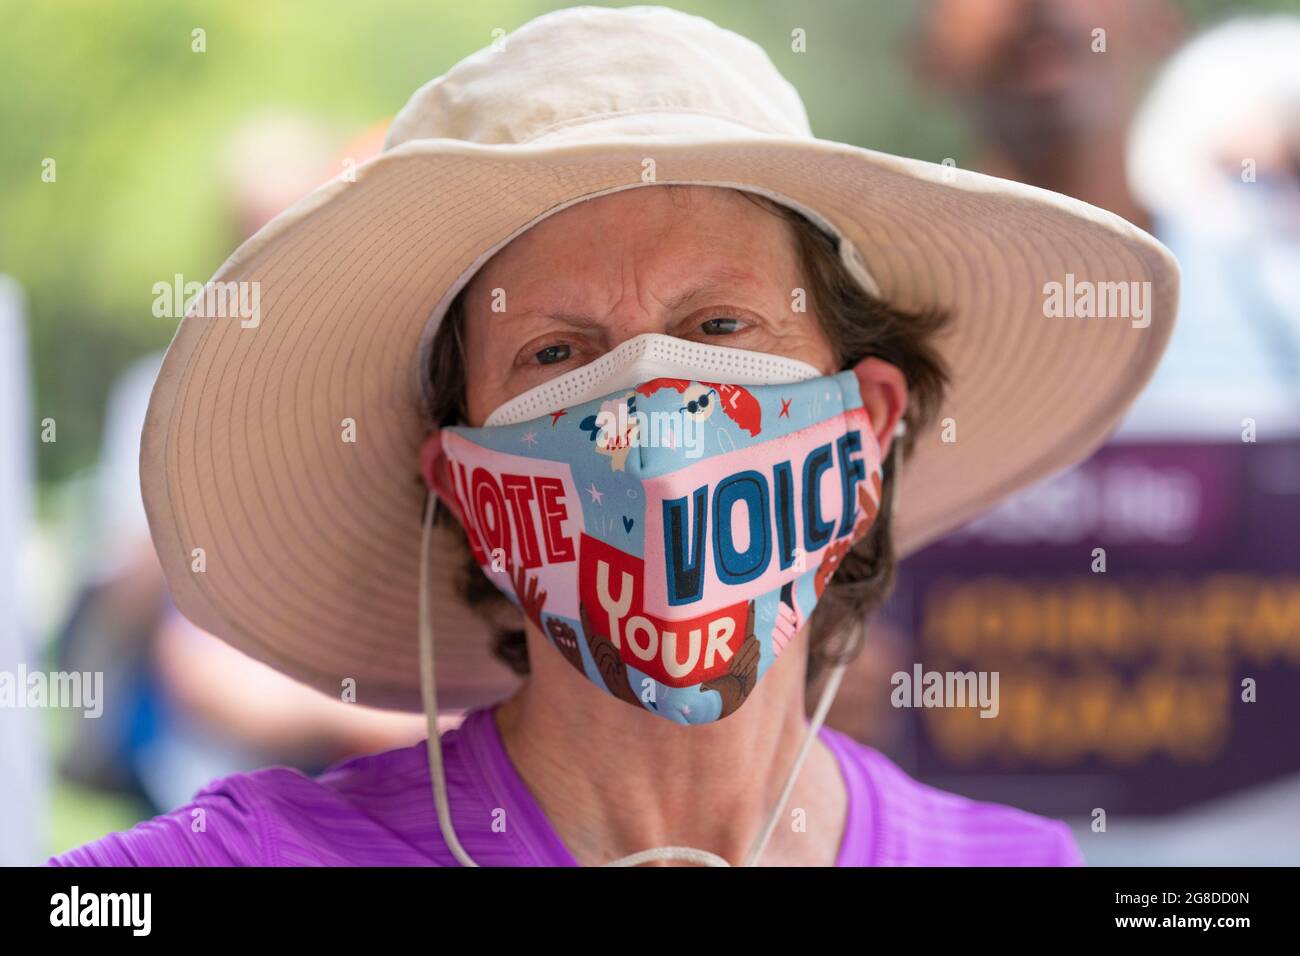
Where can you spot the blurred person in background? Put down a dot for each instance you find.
(22, 764)
(178, 725)
(1046, 106)
(1208, 164)
(1215, 158)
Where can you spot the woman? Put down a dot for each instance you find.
(652, 346)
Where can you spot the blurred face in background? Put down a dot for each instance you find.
(1268, 133)
(1026, 70)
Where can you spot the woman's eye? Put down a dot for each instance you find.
(720, 325)
(552, 354)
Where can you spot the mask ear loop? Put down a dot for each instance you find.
(429, 693)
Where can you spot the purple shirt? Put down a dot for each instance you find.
(378, 810)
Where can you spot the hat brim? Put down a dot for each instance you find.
(311, 543)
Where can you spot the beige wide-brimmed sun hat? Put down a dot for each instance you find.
(310, 543)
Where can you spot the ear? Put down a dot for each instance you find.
(884, 395)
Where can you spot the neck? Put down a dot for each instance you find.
(614, 779)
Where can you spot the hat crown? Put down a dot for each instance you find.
(580, 65)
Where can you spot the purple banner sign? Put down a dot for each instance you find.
(1142, 612)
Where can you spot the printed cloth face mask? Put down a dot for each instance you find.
(667, 517)
(669, 538)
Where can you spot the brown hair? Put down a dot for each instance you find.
(858, 325)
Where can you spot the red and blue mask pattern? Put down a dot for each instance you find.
(670, 540)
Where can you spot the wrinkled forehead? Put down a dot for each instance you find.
(644, 234)
(848, 253)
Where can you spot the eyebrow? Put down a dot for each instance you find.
(574, 320)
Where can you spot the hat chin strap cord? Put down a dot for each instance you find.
(429, 693)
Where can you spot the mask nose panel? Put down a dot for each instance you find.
(643, 359)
